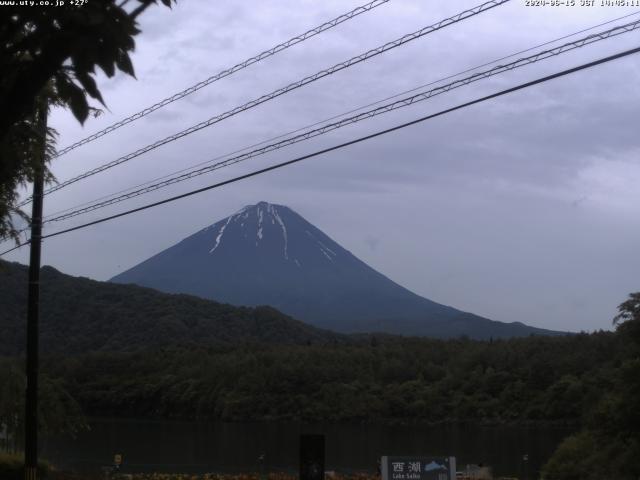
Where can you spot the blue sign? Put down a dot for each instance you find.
(418, 468)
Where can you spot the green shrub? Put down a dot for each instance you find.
(12, 467)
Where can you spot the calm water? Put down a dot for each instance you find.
(235, 447)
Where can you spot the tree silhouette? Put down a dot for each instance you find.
(628, 318)
(58, 50)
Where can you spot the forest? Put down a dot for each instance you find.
(390, 379)
(589, 381)
(377, 378)
(80, 315)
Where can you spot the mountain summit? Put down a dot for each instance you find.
(267, 254)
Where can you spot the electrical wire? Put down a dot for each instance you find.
(422, 96)
(281, 91)
(346, 144)
(334, 117)
(227, 72)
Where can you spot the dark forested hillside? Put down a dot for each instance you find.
(284, 370)
(548, 379)
(81, 315)
(608, 445)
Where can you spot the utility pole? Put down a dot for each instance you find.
(31, 404)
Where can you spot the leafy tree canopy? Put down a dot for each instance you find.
(54, 52)
(628, 318)
(608, 447)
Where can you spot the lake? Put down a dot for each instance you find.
(196, 447)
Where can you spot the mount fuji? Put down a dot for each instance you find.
(267, 254)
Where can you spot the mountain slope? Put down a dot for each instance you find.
(80, 315)
(267, 254)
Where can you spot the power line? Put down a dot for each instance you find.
(346, 144)
(20, 245)
(422, 96)
(225, 73)
(281, 91)
(334, 117)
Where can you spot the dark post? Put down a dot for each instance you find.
(31, 410)
(311, 457)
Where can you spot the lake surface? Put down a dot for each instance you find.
(192, 447)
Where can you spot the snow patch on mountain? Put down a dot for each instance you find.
(298, 269)
(324, 247)
(263, 213)
(326, 251)
(275, 215)
(220, 233)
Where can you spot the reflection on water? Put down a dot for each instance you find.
(235, 447)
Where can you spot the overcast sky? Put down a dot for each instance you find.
(524, 208)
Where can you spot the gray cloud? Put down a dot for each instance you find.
(524, 208)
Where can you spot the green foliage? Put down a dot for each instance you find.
(568, 462)
(589, 456)
(58, 411)
(608, 447)
(130, 351)
(12, 467)
(397, 380)
(21, 155)
(51, 55)
(628, 319)
(63, 46)
(12, 387)
(80, 315)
